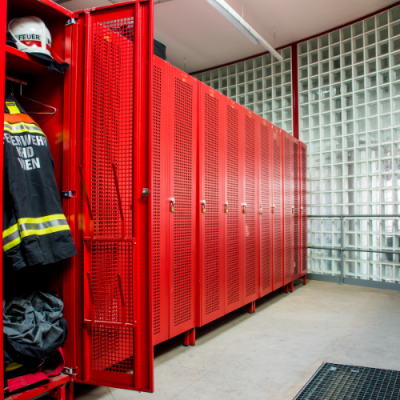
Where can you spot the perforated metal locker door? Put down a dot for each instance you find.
(251, 208)
(116, 342)
(210, 205)
(288, 208)
(297, 215)
(277, 207)
(234, 295)
(159, 204)
(265, 211)
(182, 142)
(303, 206)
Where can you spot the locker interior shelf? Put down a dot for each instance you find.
(41, 390)
(22, 64)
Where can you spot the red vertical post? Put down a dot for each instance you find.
(3, 25)
(295, 91)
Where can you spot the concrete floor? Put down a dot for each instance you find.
(272, 353)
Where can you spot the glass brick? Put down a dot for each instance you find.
(267, 59)
(232, 69)
(359, 56)
(357, 29)
(370, 67)
(370, 53)
(358, 43)
(395, 29)
(383, 48)
(258, 62)
(394, 14)
(277, 68)
(249, 64)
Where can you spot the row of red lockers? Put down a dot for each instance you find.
(228, 220)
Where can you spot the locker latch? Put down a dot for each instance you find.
(226, 208)
(203, 206)
(273, 209)
(71, 21)
(68, 194)
(292, 209)
(172, 204)
(261, 211)
(244, 207)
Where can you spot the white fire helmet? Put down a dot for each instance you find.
(31, 34)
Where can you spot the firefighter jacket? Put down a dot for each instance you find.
(35, 230)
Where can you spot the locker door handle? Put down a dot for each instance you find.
(261, 210)
(244, 207)
(226, 207)
(172, 204)
(203, 206)
(273, 209)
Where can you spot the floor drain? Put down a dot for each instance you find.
(339, 382)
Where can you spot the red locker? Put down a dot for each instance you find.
(181, 245)
(288, 207)
(159, 223)
(211, 205)
(296, 210)
(303, 207)
(234, 277)
(265, 211)
(250, 206)
(98, 138)
(277, 207)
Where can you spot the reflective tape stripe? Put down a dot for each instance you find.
(11, 237)
(41, 219)
(12, 244)
(42, 225)
(22, 127)
(10, 230)
(46, 231)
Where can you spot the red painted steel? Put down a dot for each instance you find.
(277, 207)
(265, 210)
(296, 210)
(288, 207)
(3, 24)
(234, 277)
(210, 207)
(182, 153)
(249, 205)
(303, 209)
(159, 203)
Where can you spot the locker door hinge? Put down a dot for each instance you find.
(292, 209)
(244, 207)
(226, 207)
(203, 206)
(71, 21)
(68, 194)
(172, 204)
(69, 371)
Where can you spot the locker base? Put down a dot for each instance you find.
(252, 307)
(287, 289)
(189, 338)
(291, 286)
(304, 279)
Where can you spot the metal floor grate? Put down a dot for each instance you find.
(337, 382)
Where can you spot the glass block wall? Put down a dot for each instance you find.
(262, 84)
(349, 106)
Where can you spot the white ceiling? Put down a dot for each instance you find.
(195, 31)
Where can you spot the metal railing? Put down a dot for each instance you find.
(342, 249)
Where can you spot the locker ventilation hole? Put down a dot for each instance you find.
(266, 205)
(182, 252)
(111, 142)
(250, 199)
(296, 241)
(277, 237)
(304, 211)
(232, 235)
(340, 382)
(288, 180)
(156, 200)
(212, 196)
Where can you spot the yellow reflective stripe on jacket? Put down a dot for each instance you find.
(22, 127)
(11, 237)
(43, 226)
(47, 218)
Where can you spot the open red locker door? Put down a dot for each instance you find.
(112, 60)
(211, 207)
